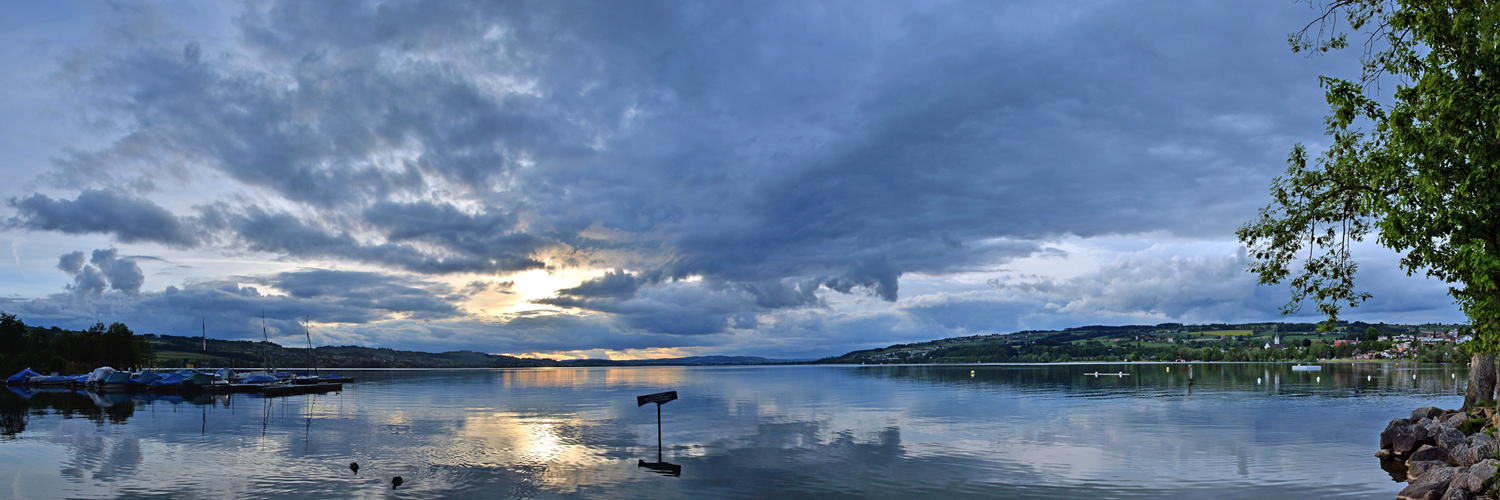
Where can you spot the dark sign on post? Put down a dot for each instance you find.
(658, 398)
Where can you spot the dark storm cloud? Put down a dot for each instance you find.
(473, 248)
(614, 283)
(364, 291)
(129, 219)
(768, 150)
(233, 308)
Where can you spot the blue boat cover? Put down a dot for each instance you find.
(146, 377)
(332, 375)
(22, 375)
(283, 375)
(259, 379)
(82, 379)
(168, 381)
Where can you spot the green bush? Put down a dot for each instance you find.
(1473, 425)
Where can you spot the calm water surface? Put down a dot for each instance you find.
(1008, 431)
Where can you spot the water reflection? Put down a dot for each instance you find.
(1015, 431)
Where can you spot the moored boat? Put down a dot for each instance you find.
(20, 377)
(53, 380)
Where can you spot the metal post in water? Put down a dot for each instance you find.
(659, 398)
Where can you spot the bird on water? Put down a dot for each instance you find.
(395, 481)
(354, 466)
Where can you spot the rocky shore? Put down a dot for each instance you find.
(1443, 454)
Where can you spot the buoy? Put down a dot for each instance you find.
(354, 466)
(1320, 379)
(971, 373)
(395, 481)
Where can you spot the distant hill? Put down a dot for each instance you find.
(1163, 342)
(177, 351)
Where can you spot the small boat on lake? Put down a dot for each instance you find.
(1306, 368)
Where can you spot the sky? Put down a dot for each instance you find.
(623, 180)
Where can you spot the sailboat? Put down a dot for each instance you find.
(260, 380)
(305, 384)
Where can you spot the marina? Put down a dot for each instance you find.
(107, 380)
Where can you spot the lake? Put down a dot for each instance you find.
(953, 431)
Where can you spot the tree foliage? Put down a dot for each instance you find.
(1419, 169)
(66, 351)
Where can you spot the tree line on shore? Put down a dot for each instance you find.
(68, 351)
(1143, 343)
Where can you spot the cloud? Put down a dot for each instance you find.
(731, 168)
(129, 219)
(123, 273)
(104, 269)
(234, 308)
(71, 263)
(365, 292)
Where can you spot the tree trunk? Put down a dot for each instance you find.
(1481, 380)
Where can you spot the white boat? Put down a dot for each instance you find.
(1306, 368)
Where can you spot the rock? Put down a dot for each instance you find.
(1457, 494)
(1426, 412)
(1481, 447)
(1418, 468)
(1478, 477)
(1430, 453)
(1455, 420)
(1457, 453)
(1408, 438)
(1383, 454)
(1429, 486)
(1433, 428)
(1451, 438)
(1481, 438)
(1388, 435)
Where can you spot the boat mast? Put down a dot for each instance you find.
(310, 352)
(265, 346)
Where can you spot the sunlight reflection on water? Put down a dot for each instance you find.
(1018, 431)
